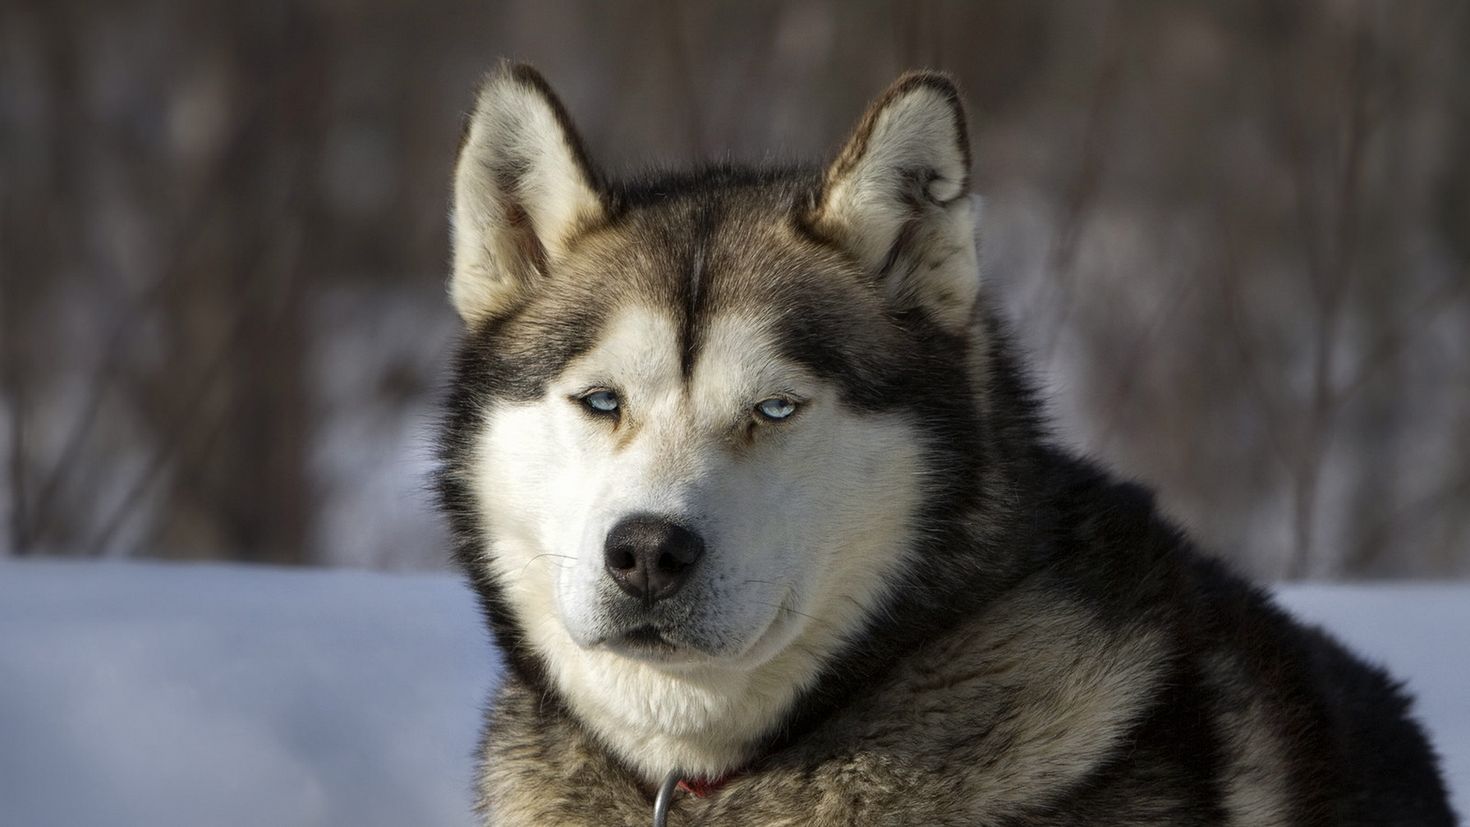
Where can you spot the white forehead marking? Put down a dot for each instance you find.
(639, 352)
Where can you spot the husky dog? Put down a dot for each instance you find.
(757, 499)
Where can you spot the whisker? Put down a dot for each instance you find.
(783, 607)
(549, 554)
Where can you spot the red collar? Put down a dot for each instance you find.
(705, 787)
(697, 787)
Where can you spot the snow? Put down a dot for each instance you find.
(136, 694)
(156, 694)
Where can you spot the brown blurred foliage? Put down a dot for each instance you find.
(1234, 237)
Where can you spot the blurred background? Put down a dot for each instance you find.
(1234, 237)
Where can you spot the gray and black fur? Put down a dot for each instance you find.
(1059, 652)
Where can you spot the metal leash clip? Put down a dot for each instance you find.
(665, 799)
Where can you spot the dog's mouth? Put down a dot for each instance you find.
(646, 642)
(669, 638)
(645, 636)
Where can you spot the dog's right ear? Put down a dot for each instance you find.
(895, 198)
(522, 188)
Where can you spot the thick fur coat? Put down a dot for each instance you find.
(914, 609)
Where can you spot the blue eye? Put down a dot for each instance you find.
(601, 402)
(776, 408)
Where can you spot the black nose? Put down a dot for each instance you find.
(649, 557)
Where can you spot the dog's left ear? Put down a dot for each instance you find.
(896, 198)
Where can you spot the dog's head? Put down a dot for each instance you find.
(701, 420)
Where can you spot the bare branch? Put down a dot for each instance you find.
(1059, 271)
(1423, 317)
(185, 417)
(115, 352)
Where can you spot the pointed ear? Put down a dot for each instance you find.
(522, 188)
(896, 199)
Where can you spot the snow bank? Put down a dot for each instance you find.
(207, 696)
(146, 694)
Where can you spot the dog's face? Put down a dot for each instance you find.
(691, 424)
(687, 490)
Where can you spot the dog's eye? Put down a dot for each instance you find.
(775, 409)
(601, 402)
